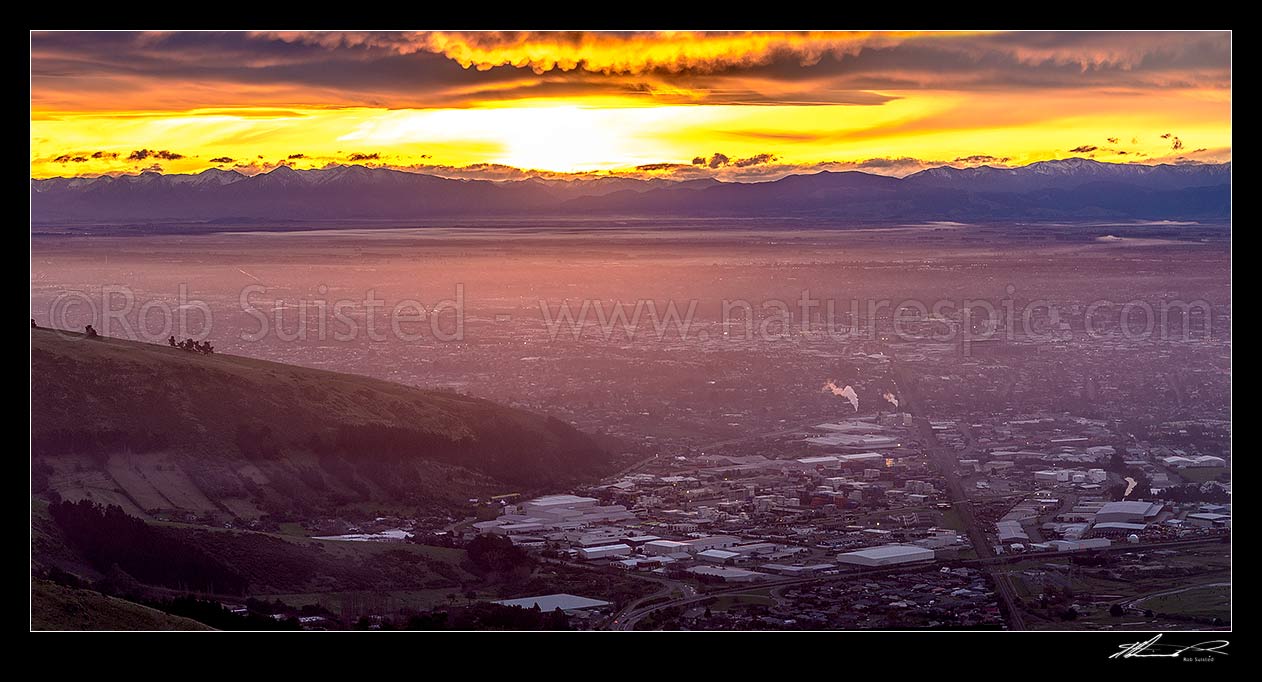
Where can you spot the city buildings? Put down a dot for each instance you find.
(886, 555)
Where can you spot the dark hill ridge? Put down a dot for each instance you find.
(1062, 189)
(152, 427)
(57, 607)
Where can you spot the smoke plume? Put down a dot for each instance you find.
(847, 392)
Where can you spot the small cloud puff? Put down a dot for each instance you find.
(165, 155)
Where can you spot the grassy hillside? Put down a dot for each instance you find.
(55, 607)
(152, 428)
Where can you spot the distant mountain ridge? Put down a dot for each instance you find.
(1060, 189)
(1069, 173)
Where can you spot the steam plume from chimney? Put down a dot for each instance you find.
(889, 398)
(847, 393)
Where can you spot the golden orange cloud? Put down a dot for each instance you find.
(623, 102)
(638, 53)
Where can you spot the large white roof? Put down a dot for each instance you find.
(818, 460)
(887, 551)
(724, 572)
(551, 602)
(1145, 508)
(617, 545)
(558, 500)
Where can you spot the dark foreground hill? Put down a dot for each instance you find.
(155, 429)
(57, 607)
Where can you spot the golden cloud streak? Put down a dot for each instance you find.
(639, 53)
(626, 53)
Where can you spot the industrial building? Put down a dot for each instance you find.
(1117, 529)
(510, 528)
(550, 602)
(1207, 520)
(754, 548)
(1193, 462)
(664, 548)
(886, 555)
(553, 502)
(836, 461)
(730, 575)
(717, 556)
(604, 551)
(794, 571)
(1011, 531)
(851, 440)
(1128, 512)
(1056, 476)
(711, 542)
(554, 512)
(1052, 476)
(851, 427)
(593, 539)
(1076, 545)
(638, 540)
(643, 563)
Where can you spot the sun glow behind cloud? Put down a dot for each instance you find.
(557, 137)
(612, 102)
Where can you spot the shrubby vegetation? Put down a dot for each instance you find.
(494, 555)
(113, 541)
(1193, 492)
(95, 441)
(216, 616)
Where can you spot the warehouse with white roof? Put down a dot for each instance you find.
(716, 556)
(886, 555)
(1179, 462)
(1128, 512)
(554, 512)
(547, 603)
(665, 547)
(604, 551)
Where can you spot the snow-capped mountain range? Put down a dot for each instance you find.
(1061, 189)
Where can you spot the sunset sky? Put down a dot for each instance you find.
(682, 105)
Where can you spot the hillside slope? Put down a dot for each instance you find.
(150, 427)
(56, 607)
